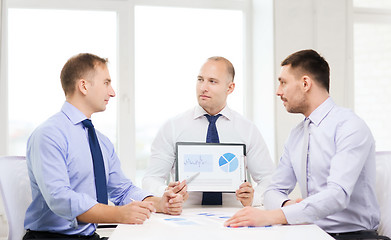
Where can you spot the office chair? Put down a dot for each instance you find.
(383, 191)
(383, 194)
(16, 193)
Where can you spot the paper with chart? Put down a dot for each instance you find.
(217, 166)
(201, 218)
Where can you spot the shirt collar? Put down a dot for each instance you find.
(73, 114)
(200, 112)
(321, 112)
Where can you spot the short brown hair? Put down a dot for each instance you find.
(309, 61)
(78, 67)
(230, 67)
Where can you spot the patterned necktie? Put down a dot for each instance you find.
(304, 184)
(212, 198)
(99, 166)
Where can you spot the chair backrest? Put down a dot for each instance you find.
(383, 191)
(16, 193)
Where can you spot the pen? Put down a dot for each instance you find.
(191, 178)
(245, 168)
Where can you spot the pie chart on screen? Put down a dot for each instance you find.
(228, 162)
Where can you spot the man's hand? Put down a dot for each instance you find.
(245, 194)
(180, 188)
(250, 216)
(169, 203)
(136, 212)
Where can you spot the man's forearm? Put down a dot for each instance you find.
(100, 213)
(277, 217)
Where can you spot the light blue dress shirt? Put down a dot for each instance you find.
(62, 178)
(341, 173)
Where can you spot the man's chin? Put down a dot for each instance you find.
(203, 103)
(101, 109)
(292, 110)
(206, 107)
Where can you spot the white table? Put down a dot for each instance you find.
(202, 223)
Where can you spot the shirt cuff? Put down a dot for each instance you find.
(297, 214)
(274, 199)
(283, 203)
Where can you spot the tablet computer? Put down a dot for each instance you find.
(211, 167)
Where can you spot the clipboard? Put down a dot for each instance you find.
(218, 166)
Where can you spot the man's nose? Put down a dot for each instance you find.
(279, 92)
(204, 86)
(112, 92)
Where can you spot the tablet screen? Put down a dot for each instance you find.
(211, 166)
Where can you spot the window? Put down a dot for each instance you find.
(37, 49)
(153, 52)
(372, 72)
(171, 44)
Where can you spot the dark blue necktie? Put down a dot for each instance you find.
(99, 166)
(212, 198)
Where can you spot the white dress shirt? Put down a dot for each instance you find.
(340, 173)
(192, 126)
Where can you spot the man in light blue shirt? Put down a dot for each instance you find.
(61, 168)
(336, 172)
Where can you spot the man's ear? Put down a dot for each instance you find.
(231, 87)
(82, 85)
(307, 83)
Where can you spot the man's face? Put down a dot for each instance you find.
(99, 89)
(214, 84)
(291, 90)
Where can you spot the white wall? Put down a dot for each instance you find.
(3, 89)
(3, 92)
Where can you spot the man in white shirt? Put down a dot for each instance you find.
(214, 84)
(331, 154)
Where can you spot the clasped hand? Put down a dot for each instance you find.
(137, 212)
(179, 188)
